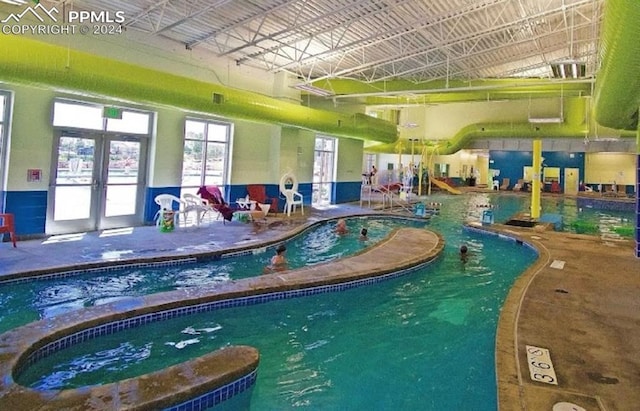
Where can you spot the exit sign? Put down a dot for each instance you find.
(112, 112)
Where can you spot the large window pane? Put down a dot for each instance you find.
(194, 130)
(75, 161)
(121, 200)
(206, 151)
(192, 163)
(132, 122)
(78, 208)
(217, 132)
(77, 116)
(215, 163)
(124, 157)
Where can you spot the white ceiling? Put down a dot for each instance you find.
(416, 40)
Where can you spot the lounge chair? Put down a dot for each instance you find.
(214, 196)
(505, 184)
(258, 193)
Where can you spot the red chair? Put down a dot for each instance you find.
(8, 226)
(258, 193)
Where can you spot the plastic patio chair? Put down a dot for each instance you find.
(169, 202)
(7, 225)
(289, 189)
(197, 205)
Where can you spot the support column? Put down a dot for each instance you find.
(535, 183)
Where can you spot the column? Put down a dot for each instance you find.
(535, 183)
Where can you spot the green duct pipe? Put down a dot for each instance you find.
(574, 126)
(23, 60)
(617, 88)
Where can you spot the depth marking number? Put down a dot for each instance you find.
(540, 365)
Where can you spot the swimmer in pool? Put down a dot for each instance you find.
(464, 253)
(341, 227)
(278, 261)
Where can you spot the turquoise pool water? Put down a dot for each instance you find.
(35, 300)
(424, 341)
(613, 224)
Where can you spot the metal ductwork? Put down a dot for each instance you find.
(27, 61)
(617, 88)
(574, 126)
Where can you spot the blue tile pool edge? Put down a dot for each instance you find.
(112, 327)
(154, 262)
(219, 395)
(224, 392)
(26, 358)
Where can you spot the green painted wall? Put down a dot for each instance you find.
(166, 147)
(31, 138)
(255, 151)
(350, 166)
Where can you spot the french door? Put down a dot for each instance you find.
(97, 182)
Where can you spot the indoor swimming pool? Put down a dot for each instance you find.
(423, 341)
(28, 301)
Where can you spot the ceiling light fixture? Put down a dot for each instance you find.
(313, 90)
(569, 70)
(545, 120)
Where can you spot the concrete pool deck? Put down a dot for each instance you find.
(581, 302)
(586, 312)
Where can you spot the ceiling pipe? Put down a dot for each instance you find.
(23, 60)
(617, 87)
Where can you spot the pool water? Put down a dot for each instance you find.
(419, 342)
(31, 301)
(612, 224)
(423, 341)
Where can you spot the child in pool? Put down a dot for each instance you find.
(363, 234)
(278, 261)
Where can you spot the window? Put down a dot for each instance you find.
(89, 116)
(206, 154)
(323, 170)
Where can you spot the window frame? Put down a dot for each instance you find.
(206, 141)
(105, 121)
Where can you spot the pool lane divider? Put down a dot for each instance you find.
(205, 380)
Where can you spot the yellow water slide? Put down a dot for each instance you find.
(445, 186)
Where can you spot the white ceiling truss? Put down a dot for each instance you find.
(374, 40)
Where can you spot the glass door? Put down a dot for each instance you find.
(123, 182)
(323, 170)
(96, 183)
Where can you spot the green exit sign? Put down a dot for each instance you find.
(112, 112)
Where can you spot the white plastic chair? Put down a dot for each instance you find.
(195, 204)
(166, 201)
(289, 189)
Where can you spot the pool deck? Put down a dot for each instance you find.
(580, 300)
